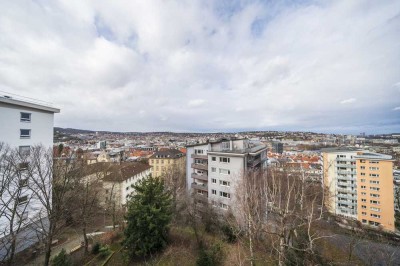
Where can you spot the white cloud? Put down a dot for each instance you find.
(248, 65)
(196, 102)
(396, 108)
(350, 100)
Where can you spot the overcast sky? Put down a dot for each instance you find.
(326, 66)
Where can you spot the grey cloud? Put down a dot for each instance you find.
(200, 65)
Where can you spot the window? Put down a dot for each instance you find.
(23, 166)
(25, 117)
(214, 159)
(198, 151)
(23, 182)
(376, 202)
(362, 167)
(363, 193)
(22, 200)
(364, 200)
(363, 174)
(374, 223)
(374, 182)
(364, 221)
(374, 168)
(375, 195)
(373, 175)
(224, 194)
(363, 187)
(375, 215)
(213, 169)
(224, 160)
(214, 192)
(374, 188)
(375, 209)
(225, 183)
(363, 213)
(162, 161)
(25, 150)
(363, 180)
(225, 145)
(363, 207)
(223, 206)
(362, 161)
(373, 162)
(214, 180)
(224, 171)
(25, 133)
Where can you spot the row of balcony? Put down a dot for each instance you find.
(200, 166)
(195, 185)
(346, 172)
(346, 165)
(353, 191)
(203, 177)
(199, 156)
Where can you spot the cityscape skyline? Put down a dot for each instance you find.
(330, 67)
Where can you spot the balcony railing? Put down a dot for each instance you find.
(199, 156)
(201, 197)
(200, 166)
(200, 186)
(203, 177)
(346, 165)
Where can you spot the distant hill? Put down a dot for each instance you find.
(72, 130)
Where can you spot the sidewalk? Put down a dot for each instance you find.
(70, 244)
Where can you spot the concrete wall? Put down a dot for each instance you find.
(41, 126)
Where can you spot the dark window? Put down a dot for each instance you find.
(22, 200)
(25, 117)
(23, 166)
(23, 182)
(25, 150)
(25, 133)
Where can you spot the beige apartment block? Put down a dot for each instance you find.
(167, 160)
(359, 186)
(375, 191)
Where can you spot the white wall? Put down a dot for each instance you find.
(41, 126)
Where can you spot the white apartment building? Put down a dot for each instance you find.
(213, 169)
(340, 179)
(23, 124)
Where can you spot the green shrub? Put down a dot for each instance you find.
(61, 259)
(104, 252)
(96, 248)
(210, 257)
(229, 233)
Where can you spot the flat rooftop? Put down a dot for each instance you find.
(13, 99)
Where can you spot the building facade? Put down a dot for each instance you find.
(214, 169)
(23, 124)
(166, 160)
(359, 186)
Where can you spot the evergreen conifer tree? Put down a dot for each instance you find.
(148, 217)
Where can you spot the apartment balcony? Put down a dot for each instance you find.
(200, 166)
(346, 165)
(252, 163)
(345, 178)
(346, 172)
(347, 196)
(199, 186)
(345, 160)
(202, 177)
(344, 190)
(199, 156)
(201, 197)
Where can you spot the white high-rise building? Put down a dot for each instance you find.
(24, 123)
(213, 169)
